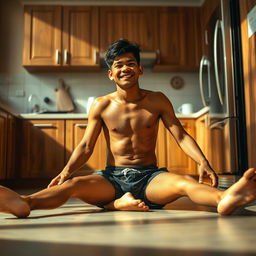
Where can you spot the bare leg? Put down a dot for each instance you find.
(167, 187)
(127, 203)
(174, 186)
(92, 189)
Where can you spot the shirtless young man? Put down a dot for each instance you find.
(129, 117)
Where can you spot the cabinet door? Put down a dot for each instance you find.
(212, 142)
(179, 41)
(170, 155)
(75, 130)
(3, 144)
(136, 24)
(42, 148)
(80, 35)
(11, 147)
(42, 35)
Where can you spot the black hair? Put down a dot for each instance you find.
(120, 47)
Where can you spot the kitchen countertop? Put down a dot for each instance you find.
(7, 108)
(85, 116)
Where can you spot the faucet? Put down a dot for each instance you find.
(33, 104)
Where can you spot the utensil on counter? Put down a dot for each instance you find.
(63, 99)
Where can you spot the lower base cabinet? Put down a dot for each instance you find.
(75, 130)
(42, 148)
(46, 146)
(170, 155)
(212, 142)
(3, 143)
(7, 145)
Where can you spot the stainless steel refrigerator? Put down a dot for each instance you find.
(221, 85)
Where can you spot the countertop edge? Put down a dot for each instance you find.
(85, 116)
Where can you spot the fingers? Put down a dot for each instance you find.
(211, 174)
(61, 181)
(214, 179)
(201, 177)
(53, 182)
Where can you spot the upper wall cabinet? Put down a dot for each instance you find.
(70, 37)
(136, 24)
(57, 36)
(178, 40)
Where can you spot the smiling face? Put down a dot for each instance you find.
(125, 71)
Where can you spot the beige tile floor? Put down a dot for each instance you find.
(181, 228)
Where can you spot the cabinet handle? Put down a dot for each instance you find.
(81, 125)
(65, 56)
(57, 56)
(158, 56)
(95, 56)
(43, 125)
(206, 37)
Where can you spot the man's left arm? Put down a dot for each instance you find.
(186, 142)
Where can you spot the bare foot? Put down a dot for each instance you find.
(11, 202)
(127, 203)
(241, 193)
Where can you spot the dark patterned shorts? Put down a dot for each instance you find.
(132, 179)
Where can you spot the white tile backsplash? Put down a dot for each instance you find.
(84, 85)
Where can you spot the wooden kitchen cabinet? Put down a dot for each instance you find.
(137, 24)
(206, 11)
(42, 148)
(56, 36)
(46, 146)
(212, 143)
(7, 145)
(3, 143)
(75, 130)
(170, 155)
(178, 39)
(11, 146)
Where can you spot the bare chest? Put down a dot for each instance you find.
(130, 119)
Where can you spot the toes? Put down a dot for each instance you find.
(136, 202)
(142, 204)
(250, 173)
(145, 208)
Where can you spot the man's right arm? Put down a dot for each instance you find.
(85, 148)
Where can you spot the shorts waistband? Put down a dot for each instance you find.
(139, 168)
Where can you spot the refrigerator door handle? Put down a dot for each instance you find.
(218, 125)
(221, 123)
(218, 25)
(204, 62)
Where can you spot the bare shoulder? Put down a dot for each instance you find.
(99, 105)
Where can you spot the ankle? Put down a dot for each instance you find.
(219, 196)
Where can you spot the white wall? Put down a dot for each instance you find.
(14, 79)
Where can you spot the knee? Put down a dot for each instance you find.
(184, 182)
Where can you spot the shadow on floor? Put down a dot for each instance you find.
(29, 248)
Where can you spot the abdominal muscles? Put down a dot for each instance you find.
(135, 150)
